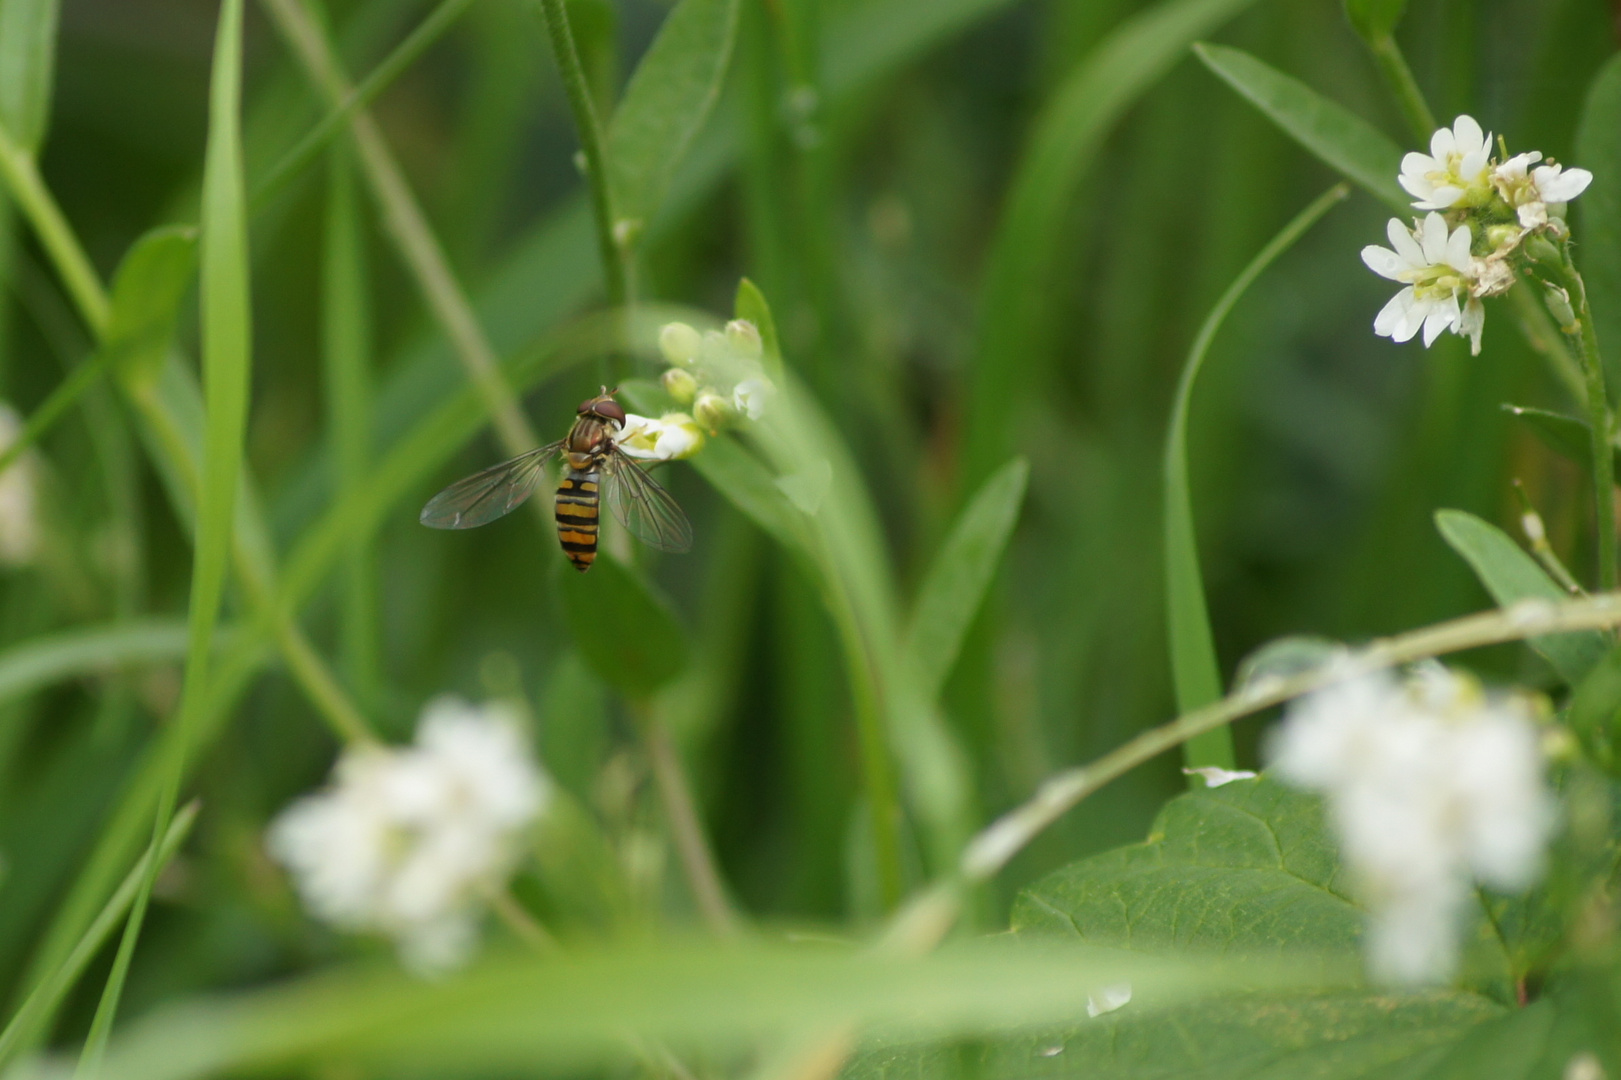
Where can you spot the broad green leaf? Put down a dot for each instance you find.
(27, 68)
(1346, 1035)
(1510, 575)
(527, 1015)
(624, 629)
(1063, 147)
(147, 291)
(669, 97)
(1284, 658)
(1194, 665)
(1374, 18)
(88, 650)
(750, 304)
(1598, 211)
(1565, 435)
(1342, 140)
(955, 585)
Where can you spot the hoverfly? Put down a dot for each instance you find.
(596, 467)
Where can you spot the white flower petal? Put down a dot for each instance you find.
(1443, 316)
(1467, 135)
(1393, 313)
(1401, 239)
(1442, 144)
(1458, 248)
(1412, 319)
(1384, 262)
(1432, 237)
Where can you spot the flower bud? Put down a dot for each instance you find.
(680, 385)
(1558, 301)
(749, 397)
(679, 343)
(712, 411)
(744, 338)
(1543, 250)
(1501, 236)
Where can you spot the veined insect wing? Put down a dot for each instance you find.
(495, 492)
(643, 507)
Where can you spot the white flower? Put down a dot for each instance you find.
(750, 396)
(1533, 192)
(19, 510)
(1437, 270)
(669, 438)
(1216, 777)
(1456, 164)
(1431, 786)
(409, 842)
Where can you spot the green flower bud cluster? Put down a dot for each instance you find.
(717, 374)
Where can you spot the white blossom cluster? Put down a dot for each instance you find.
(717, 375)
(410, 842)
(1432, 785)
(1479, 212)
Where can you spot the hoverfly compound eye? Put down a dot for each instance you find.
(586, 406)
(609, 409)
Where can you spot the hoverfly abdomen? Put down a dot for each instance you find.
(579, 496)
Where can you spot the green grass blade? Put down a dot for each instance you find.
(27, 68)
(1374, 18)
(227, 343)
(1510, 575)
(1342, 140)
(1567, 436)
(346, 352)
(955, 586)
(1014, 309)
(1194, 665)
(26, 1026)
(669, 97)
(88, 650)
(871, 39)
(1598, 211)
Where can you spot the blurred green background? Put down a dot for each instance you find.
(859, 168)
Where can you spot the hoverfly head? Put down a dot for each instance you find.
(604, 407)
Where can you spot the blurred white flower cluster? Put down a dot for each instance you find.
(1432, 785)
(19, 513)
(1480, 212)
(717, 375)
(410, 842)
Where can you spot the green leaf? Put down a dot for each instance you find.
(27, 68)
(1065, 144)
(955, 585)
(1565, 435)
(1598, 211)
(1374, 18)
(1510, 575)
(625, 630)
(147, 291)
(666, 103)
(1342, 140)
(750, 304)
(1194, 664)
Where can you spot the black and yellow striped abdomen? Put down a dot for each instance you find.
(578, 498)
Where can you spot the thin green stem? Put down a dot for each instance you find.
(1584, 340)
(681, 814)
(1393, 66)
(404, 55)
(52, 409)
(55, 235)
(615, 271)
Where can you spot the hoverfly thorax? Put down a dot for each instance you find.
(594, 468)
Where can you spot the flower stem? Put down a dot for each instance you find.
(1584, 339)
(615, 272)
(682, 814)
(1393, 66)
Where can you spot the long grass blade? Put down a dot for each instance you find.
(227, 353)
(1194, 666)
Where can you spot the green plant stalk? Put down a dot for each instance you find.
(681, 814)
(1399, 77)
(1539, 332)
(428, 31)
(346, 348)
(407, 226)
(227, 358)
(55, 405)
(28, 189)
(1194, 665)
(615, 269)
(1584, 340)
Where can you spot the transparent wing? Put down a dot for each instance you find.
(643, 507)
(481, 498)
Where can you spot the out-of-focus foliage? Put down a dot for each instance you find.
(980, 237)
